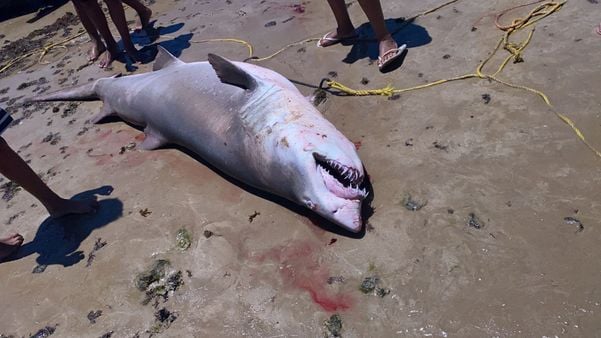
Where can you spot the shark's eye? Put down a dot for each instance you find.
(309, 204)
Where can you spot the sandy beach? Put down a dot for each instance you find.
(486, 205)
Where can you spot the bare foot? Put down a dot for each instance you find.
(107, 58)
(143, 19)
(66, 207)
(95, 51)
(9, 245)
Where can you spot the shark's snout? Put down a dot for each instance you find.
(342, 192)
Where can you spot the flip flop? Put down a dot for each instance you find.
(333, 41)
(397, 51)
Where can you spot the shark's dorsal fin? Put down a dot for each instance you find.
(165, 59)
(231, 74)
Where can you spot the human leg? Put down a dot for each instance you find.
(345, 28)
(15, 169)
(96, 16)
(118, 15)
(144, 13)
(388, 48)
(97, 47)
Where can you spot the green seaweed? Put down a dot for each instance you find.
(334, 326)
(153, 274)
(183, 239)
(369, 284)
(160, 289)
(174, 281)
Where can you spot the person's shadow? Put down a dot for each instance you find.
(403, 32)
(147, 38)
(57, 240)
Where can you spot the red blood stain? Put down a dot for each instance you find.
(300, 268)
(357, 145)
(140, 137)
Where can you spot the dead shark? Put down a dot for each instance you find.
(247, 121)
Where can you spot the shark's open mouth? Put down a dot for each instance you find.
(343, 181)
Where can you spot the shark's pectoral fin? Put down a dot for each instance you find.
(104, 112)
(231, 74)
(152, 140)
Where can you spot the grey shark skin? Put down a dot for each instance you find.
(247, 121)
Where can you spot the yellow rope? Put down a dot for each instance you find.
(242, 42)
(285, 48)
(251, 57)
(515, 51)
(42, 50)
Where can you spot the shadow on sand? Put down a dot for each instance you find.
(57, 240)
(403, 31)
(147, 38)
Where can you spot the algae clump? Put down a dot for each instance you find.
(153, 274)
(369, 284)
(334, 326)
(183, 239)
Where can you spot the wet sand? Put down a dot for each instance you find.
(495, 248)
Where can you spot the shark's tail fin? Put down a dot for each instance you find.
(79, 93)
(85, 92)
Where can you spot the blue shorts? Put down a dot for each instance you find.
(5, 120)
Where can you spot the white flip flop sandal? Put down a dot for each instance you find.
(333, 40)
(397, 51)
